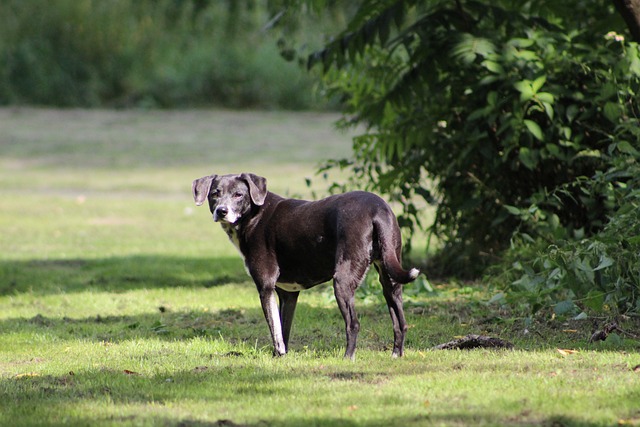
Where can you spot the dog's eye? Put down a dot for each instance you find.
(215, 194)
(238, 195)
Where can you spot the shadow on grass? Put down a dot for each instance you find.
(433, 322)
(239, 391)
(317, 327)
(232, 325)
(117, 274)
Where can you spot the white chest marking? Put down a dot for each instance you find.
(233, 236)
(290, 287)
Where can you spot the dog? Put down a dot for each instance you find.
(289, 245)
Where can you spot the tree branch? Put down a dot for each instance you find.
(630, 12)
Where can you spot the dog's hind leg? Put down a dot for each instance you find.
(345, 296)
(348, 275)
(288, 302)
(393, 295)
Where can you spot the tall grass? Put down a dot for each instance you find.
(148, 53)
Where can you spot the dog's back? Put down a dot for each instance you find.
(309, 238)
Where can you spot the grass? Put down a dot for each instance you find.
(122, 304)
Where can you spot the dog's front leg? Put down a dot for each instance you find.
(271, 313)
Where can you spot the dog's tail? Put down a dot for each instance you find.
(400, 275)
(390, 244)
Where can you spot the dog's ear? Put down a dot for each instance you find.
(201, 187)
(257, 187)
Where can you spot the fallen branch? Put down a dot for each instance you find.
(602, 335)
(474, 341)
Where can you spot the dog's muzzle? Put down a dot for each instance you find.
(220, 213)
(224, 214)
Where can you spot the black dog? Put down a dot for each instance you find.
(290, 245)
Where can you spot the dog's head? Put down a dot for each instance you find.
(230, 196)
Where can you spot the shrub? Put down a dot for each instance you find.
(519, 121)
(581, 276)
(496, 115)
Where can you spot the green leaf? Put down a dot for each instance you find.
(384, 26)
(534, 129)
(589, 153)
(605, 262)
(614, 339)
(527, 158)
(513, 210)
(398, 14)
(481, 112)
(608, 90)
(564, 307)
(594, 300)
(493, 66)
(525, 89)
(527, 55)
(554, 150)
(487, 80)
(626, 147)
(545, 97)
(548, 108)
(469, 47)
(538, 83)
(581, 316)
(572, 112)
(634, 61)
(521, 42)
(612, 111)
(492, 98)
(499, 297)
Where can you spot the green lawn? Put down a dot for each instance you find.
(123, 304)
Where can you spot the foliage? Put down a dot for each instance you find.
(512, 118)
(149, 53)
(580, 271)
(598, 274)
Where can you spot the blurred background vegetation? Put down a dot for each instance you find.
(153, 53)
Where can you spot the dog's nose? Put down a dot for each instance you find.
(222, 211)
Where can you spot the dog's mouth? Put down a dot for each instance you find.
(225, 216)
(224, 221)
